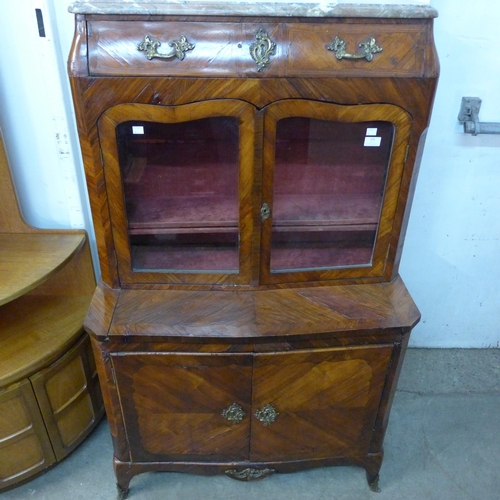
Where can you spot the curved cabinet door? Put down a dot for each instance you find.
(331, 181)
(185, 407)
(318, 403)
(179, 182)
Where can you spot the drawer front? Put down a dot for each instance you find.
(218, 49)
(210, 49)
(401, 54)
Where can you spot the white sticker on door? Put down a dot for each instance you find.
(373, 142)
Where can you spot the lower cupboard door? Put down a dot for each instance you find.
(185, 407)
(317, 403)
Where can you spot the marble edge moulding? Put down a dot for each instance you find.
(281, 8)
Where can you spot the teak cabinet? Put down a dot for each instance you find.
(49, 393)
(250, 178)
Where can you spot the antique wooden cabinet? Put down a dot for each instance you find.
(250, 170)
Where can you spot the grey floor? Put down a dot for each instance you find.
(443, 442)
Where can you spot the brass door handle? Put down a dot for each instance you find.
(267, 414)
(234, 413)
(150, 47)
(368, 48)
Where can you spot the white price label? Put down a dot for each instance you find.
(373, 142)
(137, 129)
(371, 131)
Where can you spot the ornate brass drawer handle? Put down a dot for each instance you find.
(267, 415)
(234, 413)
(262, 49)
(368, 48)
(180, 47)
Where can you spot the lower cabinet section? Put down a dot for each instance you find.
(44, 417)
(249, 384)
(308, 404)
(248, 414)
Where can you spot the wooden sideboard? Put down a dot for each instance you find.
(49, 393)
(250, 177)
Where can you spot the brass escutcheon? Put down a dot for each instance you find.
(150, 46)
(265, 212)
(234, 413)
(262, 49)
(267, 414)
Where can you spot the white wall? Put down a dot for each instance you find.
(451, 259)
(450, 263)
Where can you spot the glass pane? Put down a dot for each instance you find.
(180, 182)
(329, 182)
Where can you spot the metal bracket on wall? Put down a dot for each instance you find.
(469, 117)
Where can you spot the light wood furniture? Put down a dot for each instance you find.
(250, 178)
(49, 394)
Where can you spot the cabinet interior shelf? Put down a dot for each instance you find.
(212, 214)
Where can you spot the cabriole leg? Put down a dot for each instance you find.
(373, 481)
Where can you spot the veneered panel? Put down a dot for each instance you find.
(326, 400)
(172, 405)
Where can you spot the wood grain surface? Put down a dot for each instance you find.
(273, 315)
(223, 49)
(27, 260)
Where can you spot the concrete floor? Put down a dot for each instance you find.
(443, 443)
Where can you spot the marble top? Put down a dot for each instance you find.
(281, 8)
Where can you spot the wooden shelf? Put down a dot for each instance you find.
(27, 260)
(180, 213)
(212, 214)
(326, 209)
(36, 330)
(294, 259)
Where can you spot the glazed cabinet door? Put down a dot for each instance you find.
(330, 189)
(317, 403)
(179, 181)
(185, 406)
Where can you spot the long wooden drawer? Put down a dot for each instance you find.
(223, 49)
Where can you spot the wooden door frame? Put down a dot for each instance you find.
(120, 113)
(381, 267)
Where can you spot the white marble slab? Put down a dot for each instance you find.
(284, 8)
